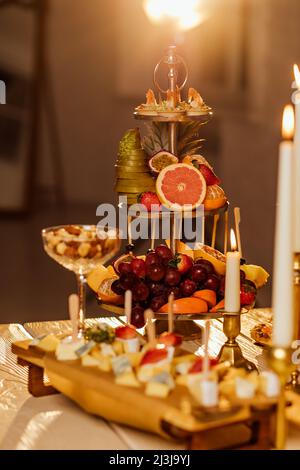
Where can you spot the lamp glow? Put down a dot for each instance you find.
(185, 13)
(288, 122)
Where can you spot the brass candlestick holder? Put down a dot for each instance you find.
(279, 360)
(294, 383)
(231, 351)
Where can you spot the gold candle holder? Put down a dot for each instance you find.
(231, 351)
(279, 360)
(294, 383)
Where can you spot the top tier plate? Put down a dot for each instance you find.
(169, 117)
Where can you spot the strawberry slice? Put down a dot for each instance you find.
(125, 332)
(198, 365)
(149, 199)
(209, 175)
(154, 355)
(170, 339)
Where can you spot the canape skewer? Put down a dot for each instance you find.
(153, 232)
(170, 313)
(74, 314)
(128, 305)
(225, 232)
(150, 326)
(206, 352)
(214, 233)
(237, 218)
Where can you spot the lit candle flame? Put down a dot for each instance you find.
(233, 240)
(288, 122)
(297, 75)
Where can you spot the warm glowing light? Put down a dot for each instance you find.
(233, 240)
(297, 75)
(288, 122)
(185, 13)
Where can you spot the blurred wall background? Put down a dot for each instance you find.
(101, 55)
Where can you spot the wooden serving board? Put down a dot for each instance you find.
(97, 393)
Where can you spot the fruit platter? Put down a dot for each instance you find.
(196, 280)
(163, 170)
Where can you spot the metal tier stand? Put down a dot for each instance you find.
(172, 61)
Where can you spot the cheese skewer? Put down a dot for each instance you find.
(153, 232)
(170, 313)
(150, 326)
(225, 232)
(74, 315)
(128, 305)
(216, 220)
(206, 352)
(237, 218)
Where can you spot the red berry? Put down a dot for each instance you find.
(150, 199)
(140, 292)
(165, 253)
(172, 277)
(156, 289)
(182, 262)
(116, 287)
(212, 282)
(205, 264)
(188, 287)
(175, 291)
(154, 355)
(138, 267)
(170, 339)
(155, 272)
(209, 175)
(198, 274)
(198, 365)
(127, 281)
(157, 303)
(125, 332)
(137, 317)
(248, 293)
(124, 268)
(152, 258)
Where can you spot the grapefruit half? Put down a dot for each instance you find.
(180, 184)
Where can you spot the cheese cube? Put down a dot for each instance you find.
(89, 361)
(121, 364)
(49, 343)
(244, 388)
(128, 379)
(66, 350)
(156, 389)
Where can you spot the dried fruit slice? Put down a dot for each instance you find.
(107, 295)
(256, 274)
(215, 198)
(98, 275)
(161, 160)
(219, 306)
(208, 295)
(196, 160)
(186, 305)
(217, 258)
(179, 185)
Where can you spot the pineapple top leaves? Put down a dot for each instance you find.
(188, 141)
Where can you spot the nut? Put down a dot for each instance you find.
(61, 248)
(83, 249)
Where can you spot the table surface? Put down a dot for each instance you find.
(55, 422)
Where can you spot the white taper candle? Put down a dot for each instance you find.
(283, 252)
